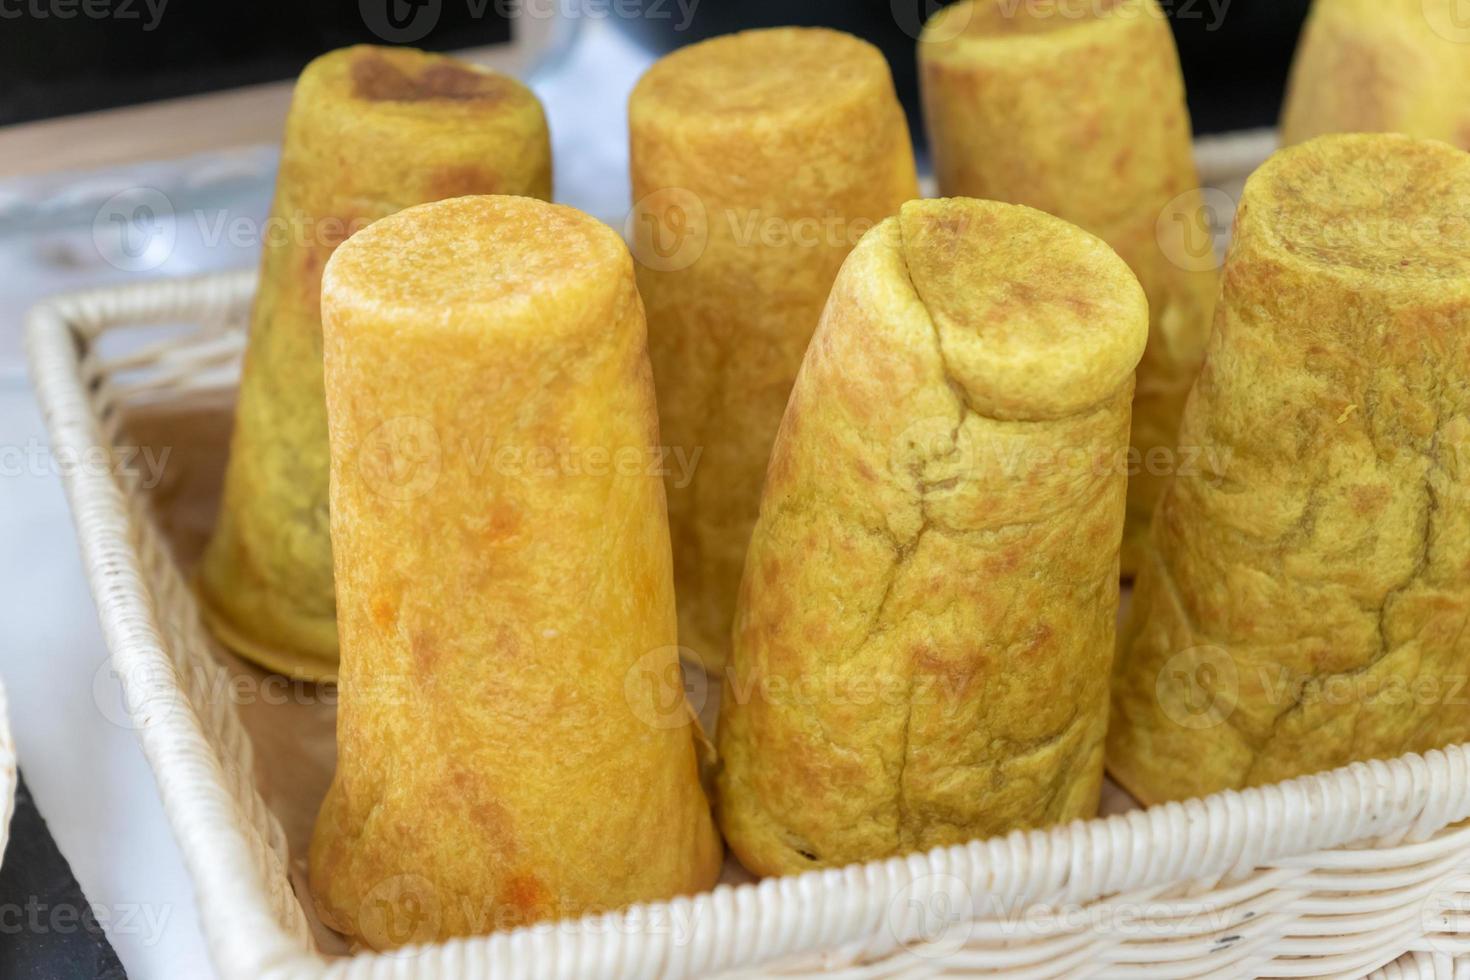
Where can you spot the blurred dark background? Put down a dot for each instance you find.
(1235, 52)
(56, 60)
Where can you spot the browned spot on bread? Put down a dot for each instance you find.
(313, 261)
(1369, 498)
(384, 610)
(425, 649)
(502, 521)
(376, 79)
(460, 181)
(770, 571)
(489, 814)
(954, 675)
(1004, 560)
(526, 895)
(1083, 306)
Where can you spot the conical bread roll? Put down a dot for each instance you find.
(1078, 110)
(1305, 599)
(371, 130)
(1382, 66)
(503, 583)
(758, 161)
(926, 621)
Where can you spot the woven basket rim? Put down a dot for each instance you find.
(1134, 854)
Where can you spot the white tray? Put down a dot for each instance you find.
(1341, 874)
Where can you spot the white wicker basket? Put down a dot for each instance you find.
(1340, 874)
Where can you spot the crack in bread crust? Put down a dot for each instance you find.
(938, 553)
(1325, 567)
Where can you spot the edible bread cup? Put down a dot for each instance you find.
(371, 130)
(1304, 601)
(1078, 110)
(926, 621)
(758, 160)
(1380, 66)
(503, 583)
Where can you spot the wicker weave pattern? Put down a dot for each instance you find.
(1340, 874)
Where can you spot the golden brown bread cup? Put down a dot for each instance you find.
(371, 130)
(1078, 110)
(503, 567)
(758, 160)
(1378, 66)
(927, 617)
(1305, 596)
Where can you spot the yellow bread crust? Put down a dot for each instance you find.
(1304, 601)
(926, 618)
(762, 129)
(1083, 117)
(499, 760)
(1367, 66)
(371, 130)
